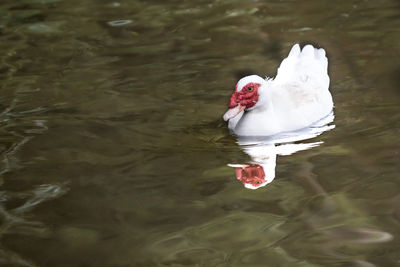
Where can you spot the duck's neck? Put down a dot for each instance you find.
(259, 121)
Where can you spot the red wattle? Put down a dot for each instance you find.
(244, 97)
(233, 101)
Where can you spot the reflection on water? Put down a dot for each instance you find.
(264, 150)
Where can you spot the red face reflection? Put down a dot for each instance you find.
(251, 174)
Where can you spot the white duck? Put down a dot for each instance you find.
(295, 99)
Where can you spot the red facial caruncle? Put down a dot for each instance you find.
(247, 97)
(251, 175)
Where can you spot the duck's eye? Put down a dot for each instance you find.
(250, 89)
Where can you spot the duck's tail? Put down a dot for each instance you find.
(307, 65)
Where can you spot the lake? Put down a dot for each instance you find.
(114, 151)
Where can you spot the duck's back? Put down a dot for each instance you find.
(301, 88)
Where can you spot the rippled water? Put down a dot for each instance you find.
(114, 153)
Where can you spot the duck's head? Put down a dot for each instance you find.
(252, 176)
(245, 97)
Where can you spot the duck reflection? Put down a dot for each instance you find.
(252, 176)
(260, 170)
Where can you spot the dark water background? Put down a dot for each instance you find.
(113, 151)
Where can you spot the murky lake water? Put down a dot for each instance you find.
(114, 153)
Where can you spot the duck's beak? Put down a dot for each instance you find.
(232, 112)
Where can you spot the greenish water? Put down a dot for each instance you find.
(114, 153)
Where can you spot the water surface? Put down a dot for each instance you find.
(114, 152)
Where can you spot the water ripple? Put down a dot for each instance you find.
(118, 23)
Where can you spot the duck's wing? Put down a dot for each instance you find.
(306, 68)
(300, 92)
